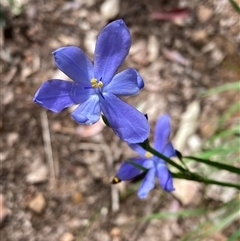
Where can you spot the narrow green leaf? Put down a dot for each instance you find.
(235, 6)
(181, 213)
(221, 218)
(228, 214)
(234, 108)
(2, 17)
(185, 174)
(218, 151)
(235, 236)
(197, 178)
(216, 164)
(226, 133)
(222, 88)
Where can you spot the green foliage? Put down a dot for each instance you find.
(218, 165)
(224, 145)
(222, 88)
(16, 7)
(220, 152)
(235, 6)
(235, 236)
(178, 214)
(220, 218)
(2, 17)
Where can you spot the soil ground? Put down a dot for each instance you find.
(59, 188)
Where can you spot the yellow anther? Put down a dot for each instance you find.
(95, 83)
(148, 154)
(100, 84)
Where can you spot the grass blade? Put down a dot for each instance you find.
(222, 88)
(178, 214)
(216, 164)
(235, 6)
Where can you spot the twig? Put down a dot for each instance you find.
(109, 159)
(47, 144)
(115, 198)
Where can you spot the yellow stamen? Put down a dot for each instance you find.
(148, 154)
(93, 80)
(100, 84)
(95, 83)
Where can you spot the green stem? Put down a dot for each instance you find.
(186, 174)
(160, 155)
(197, 178)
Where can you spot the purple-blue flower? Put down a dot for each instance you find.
(156, 166)
(96, 87)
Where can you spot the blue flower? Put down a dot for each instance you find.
(96, 87)
(155, 166)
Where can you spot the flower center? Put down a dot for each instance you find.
(96, 84)
(148, 154)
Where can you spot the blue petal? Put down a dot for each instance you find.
(112, 47)
(147, 183)
(74, 63)
(127, 82)
(56, 94)
(169, 150)
(128, 172)
(142, 152)
(165, 177)
(162, 132)
(88, 112)
(126, 121)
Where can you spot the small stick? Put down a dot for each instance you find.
(47, 144)
(109, 158)
(115, 198)
(114, 189)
